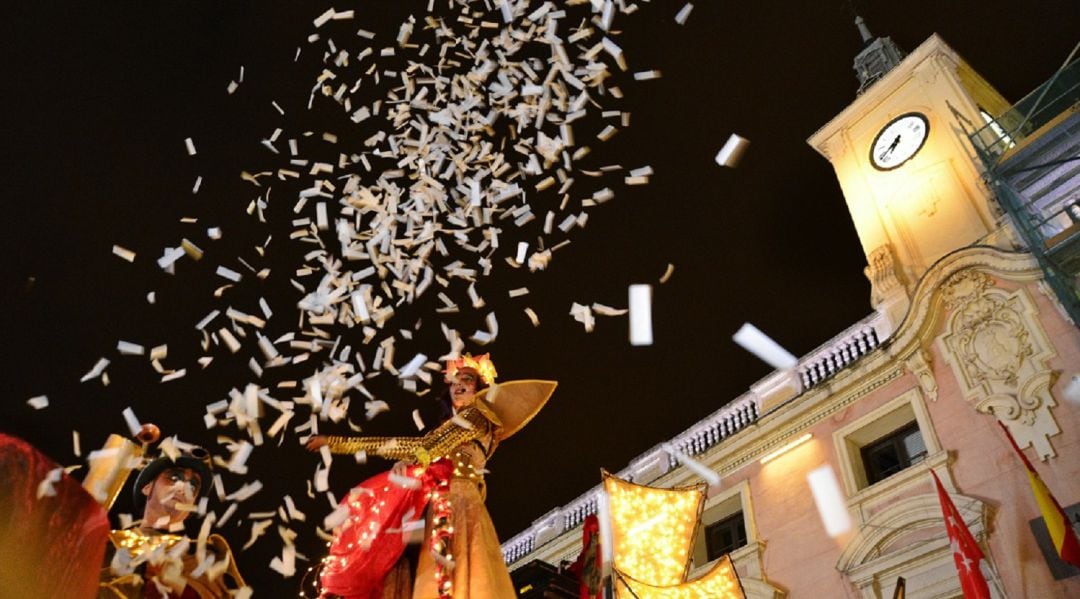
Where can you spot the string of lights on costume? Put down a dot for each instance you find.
(461, 554)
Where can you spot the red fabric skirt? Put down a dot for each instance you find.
(371, 540)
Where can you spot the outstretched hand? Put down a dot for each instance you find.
(316, 442)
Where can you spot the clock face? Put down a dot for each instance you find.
(899, 140)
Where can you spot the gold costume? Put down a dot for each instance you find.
(173, 573)
(467, 440)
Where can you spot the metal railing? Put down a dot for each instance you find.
(1034, 171)
(1036, 109)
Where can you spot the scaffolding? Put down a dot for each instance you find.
(1031, 153)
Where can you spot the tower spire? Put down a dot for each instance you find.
(877, 57)
(864, 31)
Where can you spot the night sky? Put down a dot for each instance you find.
(99, 98)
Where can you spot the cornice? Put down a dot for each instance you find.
(872, 372)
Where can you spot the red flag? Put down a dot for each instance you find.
(589, 565)
(966, 552)
(1057, 522)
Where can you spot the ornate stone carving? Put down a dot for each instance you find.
(999, 353)
(884, 278)
(919, 365)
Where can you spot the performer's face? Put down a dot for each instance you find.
(172, 488)
(463, 388)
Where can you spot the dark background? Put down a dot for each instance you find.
(98, 98)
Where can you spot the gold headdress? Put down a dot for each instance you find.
(481, 364)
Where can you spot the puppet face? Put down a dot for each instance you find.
(171, 489)
(463, 388)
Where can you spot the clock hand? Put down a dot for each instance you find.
(890, 149)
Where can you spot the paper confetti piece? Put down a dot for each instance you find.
(533, 318)
(123, 253)
(667, 273)
(229, 340)
(198, 184)
(830, 501)
(733, 151)
(684, 13)
(410, 370)
(584, 315)
(1072, 390)
(190, 145)
(405, 482)
(286, 564)
(758, 343)
(324, 18)
(45, 487)
(374, 408)
(640, 301)
(603, 516)
(337, 517)
(96, 371)
(127, 348)
(76, 445)
(39, 402)
(132, 422)
(228, 273)
(419, 422)
(707, 474)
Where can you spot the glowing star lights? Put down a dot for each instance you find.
(720, 582)
(652, 533)
(652, 529)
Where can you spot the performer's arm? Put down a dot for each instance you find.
(437, 443)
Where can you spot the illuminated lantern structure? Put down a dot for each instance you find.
(652, 536)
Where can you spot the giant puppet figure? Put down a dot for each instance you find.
(443, 471)
(153, 559)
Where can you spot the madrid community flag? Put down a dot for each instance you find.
(966, 552)
(1057, 522)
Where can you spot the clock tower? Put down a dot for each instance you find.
(911, 180)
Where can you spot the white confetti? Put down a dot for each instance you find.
(286, 564)
(132, 422)
(45, 487)
(707, 474)
(831, 505)
(128, 348)
(684, 13)
(603, 516)
(405, 482)
(533, 318)
(731, 154)
(1072, 390)
(640, 302)
(337, 517)
(758, 343)
(190, 145)
(374, 408)
(228, 273)
(410, 370)
(39, 402)
(96, 371)
(123, 253)
(667, 273)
